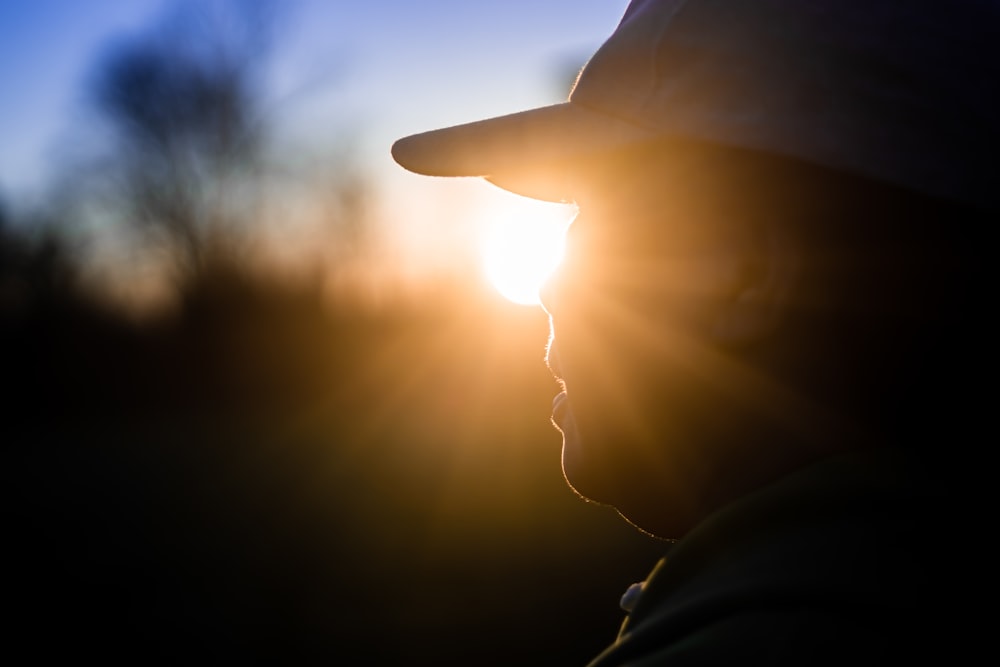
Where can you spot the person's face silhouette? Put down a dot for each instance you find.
(664, 291)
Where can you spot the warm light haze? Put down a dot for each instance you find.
(521, 244)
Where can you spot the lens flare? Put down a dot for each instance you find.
(521, 245)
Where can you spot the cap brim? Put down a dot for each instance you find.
(515, 151)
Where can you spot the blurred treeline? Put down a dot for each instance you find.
(267, 471)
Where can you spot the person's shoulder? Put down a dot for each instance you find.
(831, 565)
(773, 637)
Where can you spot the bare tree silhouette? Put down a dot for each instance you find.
(188, 138)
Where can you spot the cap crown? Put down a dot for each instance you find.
(905, 92)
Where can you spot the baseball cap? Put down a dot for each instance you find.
(900, 92)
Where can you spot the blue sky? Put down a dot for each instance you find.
(45, 48)
(353, 74)
(379, 68)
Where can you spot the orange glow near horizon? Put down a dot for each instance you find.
(521, 244)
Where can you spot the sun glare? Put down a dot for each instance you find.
(521, 244)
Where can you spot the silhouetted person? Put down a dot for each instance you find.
(772, 316)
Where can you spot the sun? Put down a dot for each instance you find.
(521, 244)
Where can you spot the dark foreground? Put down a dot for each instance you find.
(267, 478)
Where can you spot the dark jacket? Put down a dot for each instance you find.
(832, 565)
